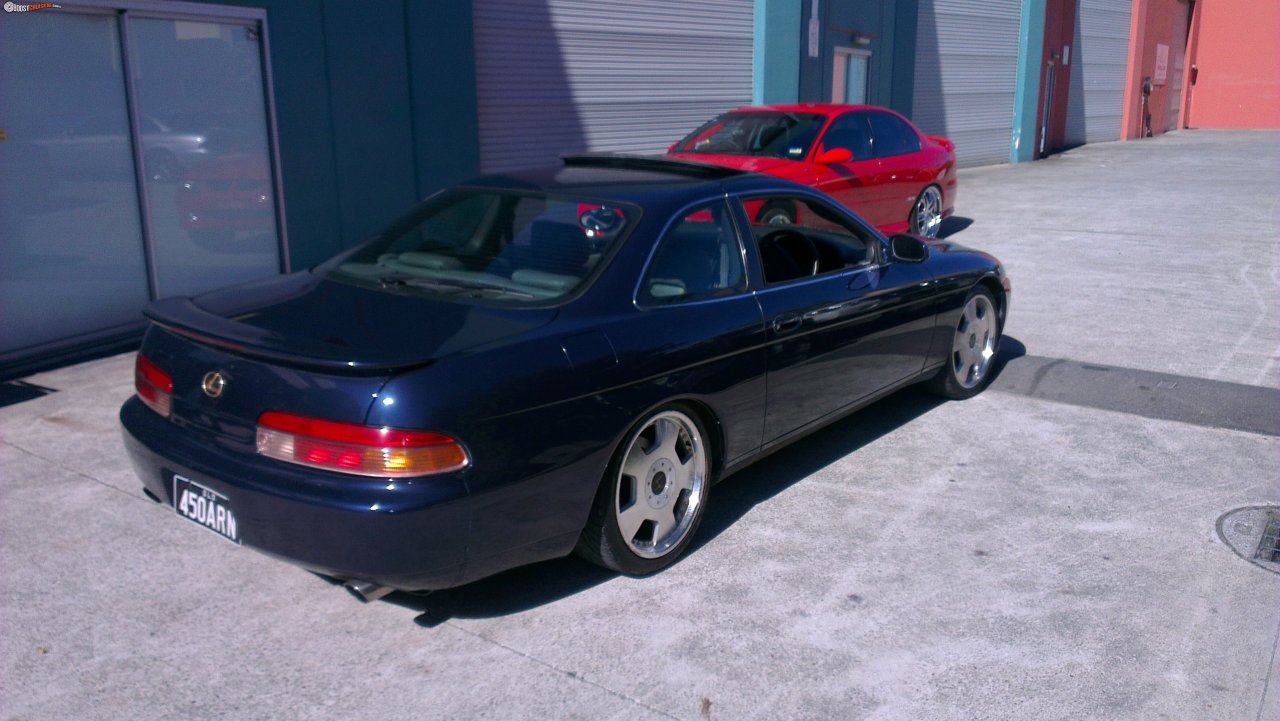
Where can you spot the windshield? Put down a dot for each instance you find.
(760, 133)
(510, 247)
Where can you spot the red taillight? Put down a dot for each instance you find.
(351, 448)
(153, 385)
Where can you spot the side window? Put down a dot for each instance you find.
(892, 136)
(817, 240)
(849, 131)
(698, 258)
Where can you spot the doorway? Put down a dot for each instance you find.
(1055, 79)
(849, 76)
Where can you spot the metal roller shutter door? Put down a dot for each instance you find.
(1098, 71)
(626, 76)
(966, 75)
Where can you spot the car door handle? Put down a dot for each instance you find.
(786, 323)
(829, 313)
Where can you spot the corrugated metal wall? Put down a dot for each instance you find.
(1098, 71)
(557, 76)
(966, 74)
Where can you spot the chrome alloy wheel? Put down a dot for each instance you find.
(927, 216)
(975, 341)
(661, 484)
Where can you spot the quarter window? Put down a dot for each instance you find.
(698, 258)
(891, 136)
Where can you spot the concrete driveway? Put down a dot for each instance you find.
(1049, 550)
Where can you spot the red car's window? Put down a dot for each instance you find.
(850, 132)
(762, 133)
(892, 136)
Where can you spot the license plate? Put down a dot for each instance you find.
(205, 507)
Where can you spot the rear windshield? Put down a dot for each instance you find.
(507, 247)
(761, 133)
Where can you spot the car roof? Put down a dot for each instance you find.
(634, 179)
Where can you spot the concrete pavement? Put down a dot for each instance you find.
(1047, 550)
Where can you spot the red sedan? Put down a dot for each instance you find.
(871, 159)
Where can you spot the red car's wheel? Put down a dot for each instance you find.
(776, 215)
(926, 215)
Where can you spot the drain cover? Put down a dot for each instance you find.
(1254, 534)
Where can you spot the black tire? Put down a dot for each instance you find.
(973, 348)
(776, 215)
(643, 482)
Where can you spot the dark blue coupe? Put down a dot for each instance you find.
(536, 363)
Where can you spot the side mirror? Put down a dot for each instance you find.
(908, 249)
(834, 155)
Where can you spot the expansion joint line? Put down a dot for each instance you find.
(561, 671)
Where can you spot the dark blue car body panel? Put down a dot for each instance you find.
(540, 396)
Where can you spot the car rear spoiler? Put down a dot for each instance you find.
(181, 316)
(658, 163)
(950, 146)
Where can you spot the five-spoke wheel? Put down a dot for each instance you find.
(652, 497)
(973, 348)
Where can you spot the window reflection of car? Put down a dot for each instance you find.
(98, 144)
(226, 196)
(871, 159)
(168, 148)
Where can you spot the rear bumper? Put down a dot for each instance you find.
(408, 534)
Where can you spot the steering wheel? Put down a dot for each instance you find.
(798, 250)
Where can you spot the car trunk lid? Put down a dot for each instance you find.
(304, 345)
(305, 321)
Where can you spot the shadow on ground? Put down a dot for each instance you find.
(954, 224)
(528, 587)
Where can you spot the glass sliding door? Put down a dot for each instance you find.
(135, 163)
(72, 260)
(211, 199)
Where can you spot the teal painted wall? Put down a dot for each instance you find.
(777, 52)
(375, 108)
(1027, 92)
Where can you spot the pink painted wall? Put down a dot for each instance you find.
(1238, 76)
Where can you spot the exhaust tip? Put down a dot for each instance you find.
(365, 591)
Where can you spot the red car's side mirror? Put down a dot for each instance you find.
(834, 155)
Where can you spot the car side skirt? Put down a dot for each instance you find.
(827, 420)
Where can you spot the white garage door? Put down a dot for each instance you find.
(1098, 71)
(624, 76)
(966, 75)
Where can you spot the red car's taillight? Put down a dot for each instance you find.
(351, 448)
(153, 385)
